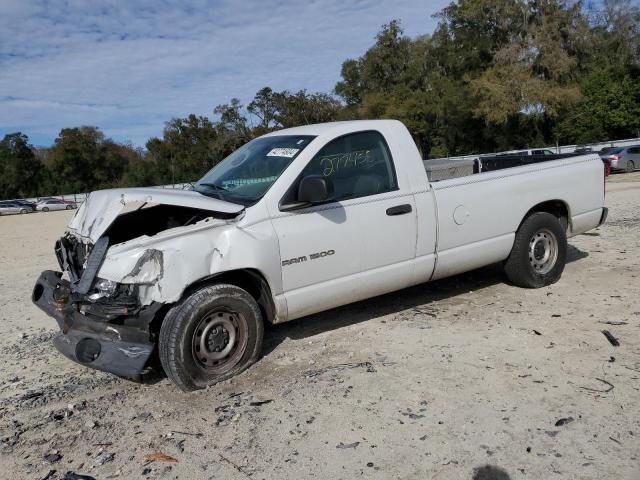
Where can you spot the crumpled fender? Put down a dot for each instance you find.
(164, 265)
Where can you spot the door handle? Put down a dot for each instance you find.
(399, 210)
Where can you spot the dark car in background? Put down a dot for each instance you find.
(26, 203)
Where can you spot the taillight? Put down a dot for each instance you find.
(614, 157)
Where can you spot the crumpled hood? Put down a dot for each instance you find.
(102, 207)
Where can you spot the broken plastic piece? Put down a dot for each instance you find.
(612, 340)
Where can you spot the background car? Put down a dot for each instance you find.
(11, 207)
(26, 203)
(54, 204)
(583, 149)
(623, 158)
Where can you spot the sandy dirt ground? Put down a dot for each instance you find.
(464, 378)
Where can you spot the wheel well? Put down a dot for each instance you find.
(557, 208)
(252, 281)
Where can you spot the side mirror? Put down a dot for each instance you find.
(315, 189)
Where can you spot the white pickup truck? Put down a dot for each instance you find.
(296, 222)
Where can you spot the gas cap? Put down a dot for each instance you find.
(460, 214)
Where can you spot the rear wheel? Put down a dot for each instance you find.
(539, 252)
(630, 166)
(68, 207)
(24, 210)
(212, 335)
(45, 209)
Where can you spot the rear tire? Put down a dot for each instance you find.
(539, 252)
(68, 207)
(212, 335)
(45, 209)
(23, 211)
(630, 167)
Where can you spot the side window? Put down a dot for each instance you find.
(359, 164)
(634, 150)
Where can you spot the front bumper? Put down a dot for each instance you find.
(122, 349)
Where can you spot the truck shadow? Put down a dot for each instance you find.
(418, 296)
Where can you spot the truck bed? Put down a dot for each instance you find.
(443, 169)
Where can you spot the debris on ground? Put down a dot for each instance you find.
(608, 389)
(77, 476)
(103, 457)
(612, 340)
(347, 445)
(159, 457)
(564, 421)
(52, 457)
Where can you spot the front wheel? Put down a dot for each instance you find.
(23, 211)
(69, 207)
(210, 336)
(539, 252)
(45, 209)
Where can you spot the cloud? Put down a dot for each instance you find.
(128, 67)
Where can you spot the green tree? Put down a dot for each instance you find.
(20, 170)
(82, 159)
(610, 108)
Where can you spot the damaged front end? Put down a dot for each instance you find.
(107, 306)
(102, 323)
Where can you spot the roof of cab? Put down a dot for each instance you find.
(322, 128)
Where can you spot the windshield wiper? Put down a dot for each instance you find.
(214, 185)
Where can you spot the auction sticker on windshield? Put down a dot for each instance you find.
(283, 152)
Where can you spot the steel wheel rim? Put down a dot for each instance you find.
(543, 251)
(219, 340)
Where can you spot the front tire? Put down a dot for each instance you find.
(45, 209)
(539, 252)
(23, 211)
(68, 207)
(210, 336)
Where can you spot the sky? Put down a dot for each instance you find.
(129, 66)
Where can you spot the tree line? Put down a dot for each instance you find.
(494, 75)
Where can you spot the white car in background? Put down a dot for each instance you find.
(53, 204)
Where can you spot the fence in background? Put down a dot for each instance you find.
(595, 147)
(79, 198)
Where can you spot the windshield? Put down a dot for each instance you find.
(246, 175)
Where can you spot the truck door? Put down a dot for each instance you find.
(360, 244)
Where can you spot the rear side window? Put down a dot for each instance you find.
(359, 165)
(634, 150)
